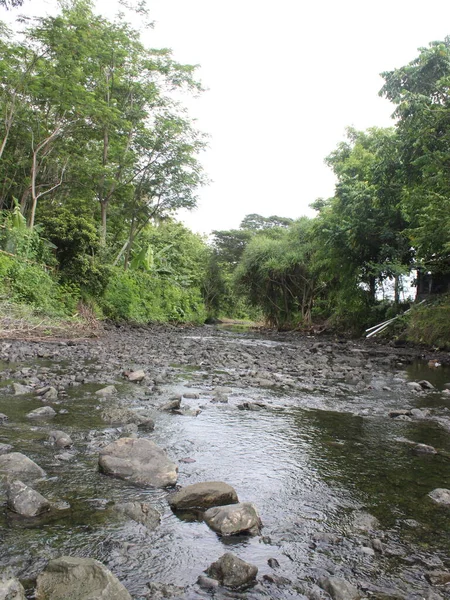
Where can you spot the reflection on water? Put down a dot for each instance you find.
(307, 470)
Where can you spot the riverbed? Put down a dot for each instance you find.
(304, 428)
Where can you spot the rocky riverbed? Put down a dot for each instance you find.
(341, 449)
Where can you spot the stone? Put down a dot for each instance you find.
(3, 418)
(203, 495)
(117, 415)
(20, 390)
(161, 591)
(60, 439)
(424, 449)
(135, 376)
(4, 448)
(173, 404)
(11, 589)
(438, 577)
(365, 521)
(207, 583)
(440, 496)
(16, 463)
(141, 512)
(232, 571)
(109, 390)
(50, 394)
(233, 519)
(339, 589)
(139, 461)
(399, 413)
(416, 387)
(25, 501)
(417, 413)
(70, 578)
(426, 385)
(45, 412)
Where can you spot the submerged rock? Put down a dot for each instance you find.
(60, 439)
(141, 512)
(233, 519)
(70, 578)
(365, 521)
(203, 495)
(118, 415)
(109, 390)
(134, 376)
(173, 404)
(16, 463)
(45, 412)
(339, 589)
(232, 571)
(25, 501)
(139, 461)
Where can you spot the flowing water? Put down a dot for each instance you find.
(308, 463)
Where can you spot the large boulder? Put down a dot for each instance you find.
(232, 571)
(11, 589)
(141, 512)
(233, 519)
(70, 578)
(16, 463)
(25, 501)
(139, 461)
(203, 495)
(440, 496)
(339, 589)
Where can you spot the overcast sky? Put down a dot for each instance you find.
(284, 80)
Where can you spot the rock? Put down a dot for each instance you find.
(339, 589)
(416, 387)
(134, 376)
(232, 571)
(417, 413)
(277, 580)
(440, 496)
(60, 439)
(50, 394)
(16, 463)
(233, 519)
(438, 577)
(273, 563)
(117, 415)
(426, 385)
(141, 512)
(25, 501)
(20, 390)
(11, 589)
(139, 461)
(3, 418)
(402, 418)
(109, 390)
(70, 578)
(45, 412)
(365, 522)
(377, 545)
(173, 404)
(207, 583)
(203, 495)
(161, 591)
(399, 413)
(424, 449)
(191, 395)
(4, 448)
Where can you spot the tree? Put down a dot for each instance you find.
(420, 91)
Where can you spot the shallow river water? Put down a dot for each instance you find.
(310, 461)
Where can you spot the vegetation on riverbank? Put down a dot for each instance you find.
(96, 157)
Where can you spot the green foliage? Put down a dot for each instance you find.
(142, 298)
(429, 324)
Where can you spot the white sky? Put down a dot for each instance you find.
(284, 79)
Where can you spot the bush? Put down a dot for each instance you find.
(430, 324)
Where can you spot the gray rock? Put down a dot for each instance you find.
(45, 412)
(139, 461)
(4, 448)
(11, 589)
(203, 495)
(191, 395)
(109, 390)
(16, 463)
(233, 519)
(426, 385)
(365, 521)
(440, 496)
(415, 386)
(417, 413)
(424, 449)
(20, 390)
(60, 439)
(207, 583)
(173, 404)
(339, 589)
(3, 418)
(25, 501)
(70, 578)
(161, 591)
(399, 413)
(50, 394)
(135, 376)
(141, 512)
(117, 415)
(232, 571)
